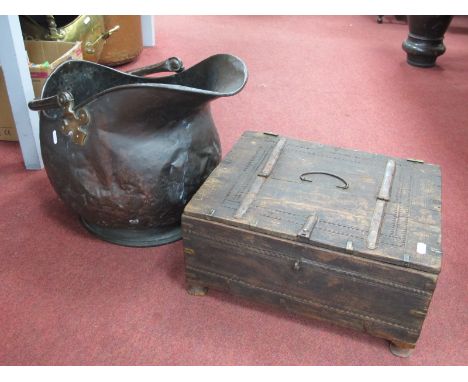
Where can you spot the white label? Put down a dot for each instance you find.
(86, 20)
(421, 248)
(54, 137)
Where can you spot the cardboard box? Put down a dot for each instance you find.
(7, 124)
(44, 57)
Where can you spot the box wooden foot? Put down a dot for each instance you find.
(399, 351)
(197, 290)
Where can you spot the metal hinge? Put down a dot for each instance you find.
(73, 121)
(306, 231)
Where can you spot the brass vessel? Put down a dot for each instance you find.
(124, 46)
(89, 29)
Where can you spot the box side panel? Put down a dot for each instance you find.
(384, 300)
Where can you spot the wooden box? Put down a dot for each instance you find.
(345, 236)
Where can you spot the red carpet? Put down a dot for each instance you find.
(69, 298)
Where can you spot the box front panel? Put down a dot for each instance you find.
(385, 300)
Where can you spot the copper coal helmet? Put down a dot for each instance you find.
(127, 152)
(88, 29)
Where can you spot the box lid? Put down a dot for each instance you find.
(363, 204)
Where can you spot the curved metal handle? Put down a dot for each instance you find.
(73, 121)
(89, 46)
(172, 64)
(56, 101)
(303, 178)
(45, 103)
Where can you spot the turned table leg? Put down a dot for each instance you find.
(425, 39)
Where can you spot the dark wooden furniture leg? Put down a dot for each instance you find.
(425, 39)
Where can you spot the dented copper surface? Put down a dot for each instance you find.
(150, 143)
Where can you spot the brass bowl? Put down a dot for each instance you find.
(88, 29)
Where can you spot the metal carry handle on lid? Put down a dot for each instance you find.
(304, 179)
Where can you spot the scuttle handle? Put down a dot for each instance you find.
(172, 64)
(74, 121)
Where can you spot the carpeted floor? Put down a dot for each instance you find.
(69, 298)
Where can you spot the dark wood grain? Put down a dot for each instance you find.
(282, 203)
(303, 245)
